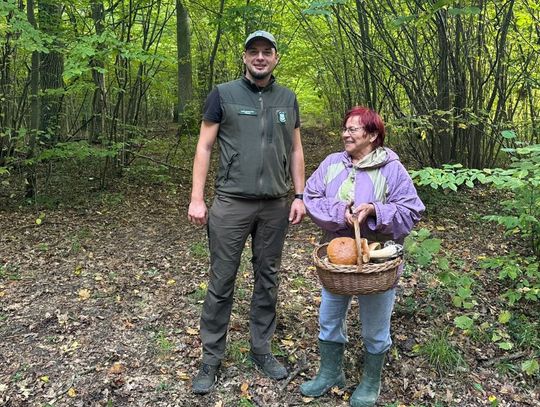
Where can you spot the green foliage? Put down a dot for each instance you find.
(23, 33)
(460, 285)
(521, 179)
(421, 247)
(464, 322)
(521, 275)
(450, 176)
(530, 367)
(245, 402)
(78, 150)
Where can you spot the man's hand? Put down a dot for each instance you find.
(362, 211)
(298, 211)
(198, 213)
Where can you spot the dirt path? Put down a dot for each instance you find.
(99, 306)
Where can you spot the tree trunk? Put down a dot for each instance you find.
(34, 109)
(51, 71)
(442, 128)
(99, 100)
(210, 83)
(185, 84)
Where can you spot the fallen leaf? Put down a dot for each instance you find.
(183, 376)
(78, 270)
(116, 368)
(172, 281)
(192, 331)
(44, 379)
(84, 294)
(128, 324)
(244, 388)
(287, 343)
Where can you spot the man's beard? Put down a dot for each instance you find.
(258, 75)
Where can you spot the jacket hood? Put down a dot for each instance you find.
(377, 158)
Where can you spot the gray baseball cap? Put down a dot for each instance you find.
(260, 34)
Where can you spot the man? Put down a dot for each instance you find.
(256, 122)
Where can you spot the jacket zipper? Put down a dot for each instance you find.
(229, 165)
(263, 125)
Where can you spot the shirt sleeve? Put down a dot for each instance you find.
(212, 111)
(327, 212)
(402, 209)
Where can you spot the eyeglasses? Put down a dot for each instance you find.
(352, 130)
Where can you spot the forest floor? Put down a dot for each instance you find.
(100, 302)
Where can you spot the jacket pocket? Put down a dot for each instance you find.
(229, 165)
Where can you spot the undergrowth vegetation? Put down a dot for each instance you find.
(511, 273)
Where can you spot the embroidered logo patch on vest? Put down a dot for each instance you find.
(247, 112)
(282, 117)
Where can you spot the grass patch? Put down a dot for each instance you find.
(238, 351)
(9, 272)
(525, 333)
(163, 386)
(199, 249)
(112, 199)
(299, 283)
(163, 344)
(200, 293)
(441, 353)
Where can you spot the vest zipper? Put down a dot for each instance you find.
(263, 133)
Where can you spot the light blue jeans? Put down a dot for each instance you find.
(375, 313)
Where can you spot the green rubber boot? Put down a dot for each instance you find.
(367, 392)
(330, 371)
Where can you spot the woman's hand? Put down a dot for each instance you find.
(362, 212)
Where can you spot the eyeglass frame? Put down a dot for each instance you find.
(352, 130)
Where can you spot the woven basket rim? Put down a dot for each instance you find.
(367, 268)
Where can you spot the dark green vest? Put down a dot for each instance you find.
(255, 139)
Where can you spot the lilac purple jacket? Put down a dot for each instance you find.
(380, 179)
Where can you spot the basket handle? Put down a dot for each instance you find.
(357, 239)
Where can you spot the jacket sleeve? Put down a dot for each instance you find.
(327, 212)
(402, 209)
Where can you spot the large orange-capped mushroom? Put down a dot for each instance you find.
(342, 250)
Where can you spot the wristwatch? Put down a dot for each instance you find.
(299, 196)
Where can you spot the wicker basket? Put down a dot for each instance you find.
(363, 278)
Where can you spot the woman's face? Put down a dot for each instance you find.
(357, 142)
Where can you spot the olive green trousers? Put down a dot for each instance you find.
(231, 222)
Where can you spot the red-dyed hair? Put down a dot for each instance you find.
(371, 121)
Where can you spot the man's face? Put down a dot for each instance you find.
(260, 59)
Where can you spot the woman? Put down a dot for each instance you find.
(366, 180)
